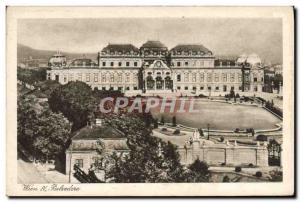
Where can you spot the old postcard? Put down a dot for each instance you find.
(150, 101)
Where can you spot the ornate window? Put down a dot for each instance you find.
(127, 77)
(95, 77)
(135, 64)
(112, 77)
(79, 76)
(135, 77)
(120, 77)
(65, 78)
(216, 77)
(201, 63)
(127, 64)
(209, 79)
(71, 77)
(254, 77)
(111, 64)
(186, 77)
(202, 77)
(232, 77)
(224, 77)
(79, 163)
(103, 78)
(178, 77)
(240, 77)
(150, 82)
(87, 77)
(178, 64)
(194, 77)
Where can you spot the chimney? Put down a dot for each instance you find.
(98, 59)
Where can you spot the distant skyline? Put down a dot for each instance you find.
(222, 36)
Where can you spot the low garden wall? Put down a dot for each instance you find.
(225, 155)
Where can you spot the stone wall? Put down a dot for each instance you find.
(224, 154)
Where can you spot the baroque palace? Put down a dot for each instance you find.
(153, 68)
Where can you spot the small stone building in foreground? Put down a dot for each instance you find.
(93, 145)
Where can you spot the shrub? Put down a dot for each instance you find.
(201, 132)
(250, 165)
(174, 121)
(226, 179)
(223, 164)
(176, 132)
(202, 96)
(238, 169)
(237, 95)
(155, 123)
(262, 138)
(237, 130)
(276, 176)
(221, 139)
(258, 174)
(164, 129)
(162, 120)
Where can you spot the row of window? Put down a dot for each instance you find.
(223, 88)
(120, 64)
(186, 53)
(210, 77)
(119, 53)
(197, 63)
(119, 88)
(104, 77)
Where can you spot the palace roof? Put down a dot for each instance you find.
(120, 48)
(82, 62)
(153, 44)
(96, 132)
(191, 47)
(107, 144)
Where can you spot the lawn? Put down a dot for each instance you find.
(222, 116)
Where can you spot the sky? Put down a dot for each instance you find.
(229, 36)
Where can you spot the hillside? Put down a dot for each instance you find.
(26, 51)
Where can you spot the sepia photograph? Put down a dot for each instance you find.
(151, 97)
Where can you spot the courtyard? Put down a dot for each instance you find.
(222, 116)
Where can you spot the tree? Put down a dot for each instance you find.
(262, 138)
(48, 86)
(31, 76)
(76, 101)
(149, 160)
(201, 132)
(174, 124)
(226, 179)
(198, 172)
(155, 123)
(51, 136)
(162, 120)
(232, 94)
(26, 122)
(42, 133)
